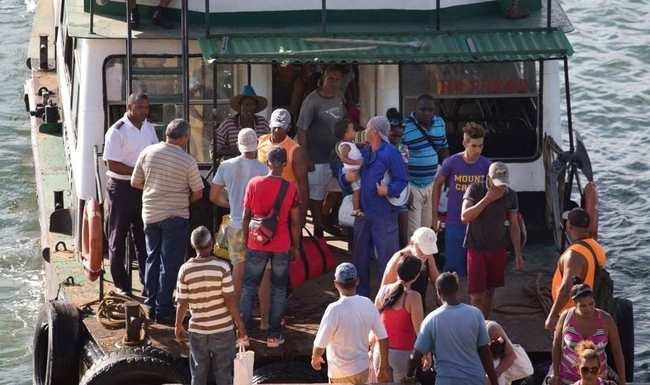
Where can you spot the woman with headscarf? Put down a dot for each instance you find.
(584, 322)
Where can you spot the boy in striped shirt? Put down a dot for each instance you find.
(205, 287)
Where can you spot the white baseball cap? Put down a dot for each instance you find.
(247, 140)
(280, 118)
(426, 239)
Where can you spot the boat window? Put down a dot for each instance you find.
(502, 97)
(75, 108)
(161, 77)
(68, 56)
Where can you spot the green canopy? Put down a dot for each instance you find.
(433, 47)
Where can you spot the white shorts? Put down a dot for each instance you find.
(319, 180)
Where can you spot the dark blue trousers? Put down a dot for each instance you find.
(124, 215)
(369, 234)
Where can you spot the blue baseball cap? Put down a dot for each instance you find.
(277, 156)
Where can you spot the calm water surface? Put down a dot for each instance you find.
(611, 94)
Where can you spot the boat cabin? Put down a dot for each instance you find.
(479, 66)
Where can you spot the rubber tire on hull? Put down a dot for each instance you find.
(57, 344)
(136, 366)
(624, 317)
(290, 372)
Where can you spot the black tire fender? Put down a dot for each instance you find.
(136, 366)
(57, 344)
(623, 315)
(289, 372)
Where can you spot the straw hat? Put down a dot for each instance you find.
(248, 92)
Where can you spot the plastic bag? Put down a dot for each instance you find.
(243, 366)
(345, 212)
(221, 239)
(521, 368)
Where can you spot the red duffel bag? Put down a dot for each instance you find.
(316, 258)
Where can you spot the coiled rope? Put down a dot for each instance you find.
(540, 300)
(110, 312)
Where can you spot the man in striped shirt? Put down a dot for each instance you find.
(170, 180)
(426, 139)
(205, 287)
(246, 106)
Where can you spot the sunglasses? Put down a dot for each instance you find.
(593, 370)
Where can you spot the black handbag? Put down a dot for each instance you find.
(424, 133)
(261, 229)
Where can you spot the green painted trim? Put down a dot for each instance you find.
(441, 47)
(287, 18)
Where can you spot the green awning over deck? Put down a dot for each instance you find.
(433, 47)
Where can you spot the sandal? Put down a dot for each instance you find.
(274, 342)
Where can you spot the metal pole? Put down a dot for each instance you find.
(207, 18)
(437, 15)
(129, 50)
(568, 103)
(185, 58)
(92, 17)
(323, 16)
(548, 14)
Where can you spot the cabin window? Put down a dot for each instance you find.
(502, 97)
(75, 107)
(68, 56)
(161, 77)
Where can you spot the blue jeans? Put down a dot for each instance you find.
(166, 246)
(455, 253)
(369, 233)
(216, 349)
(255, 265)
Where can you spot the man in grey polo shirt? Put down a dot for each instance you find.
(170, 179)
(320, 110)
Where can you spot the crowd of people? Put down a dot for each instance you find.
(267, 182)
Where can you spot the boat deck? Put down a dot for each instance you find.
(304, 309)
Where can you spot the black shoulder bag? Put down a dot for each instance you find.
(424, 133)
(261, 229)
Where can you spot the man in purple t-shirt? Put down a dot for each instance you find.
(459, 170)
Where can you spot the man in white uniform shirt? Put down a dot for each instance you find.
(123, 143)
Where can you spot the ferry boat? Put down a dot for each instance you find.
(501, 63)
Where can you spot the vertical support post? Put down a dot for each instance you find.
(437, 15)
(249, 74)
(185, 57)
(323, 16)
(548, 14)
(540, 103)
(207, 18)
(129, 51)
(92, 17)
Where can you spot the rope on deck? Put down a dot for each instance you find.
(110, 312)
(540, 296)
